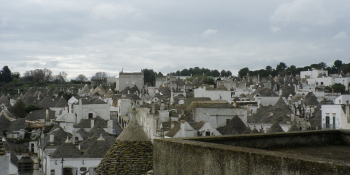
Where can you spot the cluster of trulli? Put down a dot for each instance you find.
(132, 153)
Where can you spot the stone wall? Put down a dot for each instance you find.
(126, 157)
(238, 154)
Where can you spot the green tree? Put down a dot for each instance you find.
(149, 77)
(243, 72)
(338, 63)
(268, 68)
(5, 75)
(19, 109)
(281, 66)
(338, 88)
(293, 70)
(31, 108)
(185, 72)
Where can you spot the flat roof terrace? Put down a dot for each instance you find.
(311, 152)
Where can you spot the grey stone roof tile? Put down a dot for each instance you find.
(235, 126)
(275, 127)
(66, 150)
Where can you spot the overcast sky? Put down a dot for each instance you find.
(87, 36)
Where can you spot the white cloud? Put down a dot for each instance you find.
(209, 32)
(275, 29)
(309, 12)
(341, 35)
(111, 11)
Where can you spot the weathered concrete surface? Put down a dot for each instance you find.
(239, 154)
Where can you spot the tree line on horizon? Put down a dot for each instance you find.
(282, 69)
(201, 71)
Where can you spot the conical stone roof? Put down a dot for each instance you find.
(97, 149)
(310, 99)
(132, 153)
(293, 128)
(66, 150)
(61, 102)
(255, 131)
(297, 97)
(281, 104)
(133, 132)
(275, 127)
(235, 126)
(109, 94)
(3, 99)
(247, 131)
(46, 102)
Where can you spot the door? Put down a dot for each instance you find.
(327, 122)
(67, 171)
(333, 122)
(32, 147)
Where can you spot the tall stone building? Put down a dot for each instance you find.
(130, 79)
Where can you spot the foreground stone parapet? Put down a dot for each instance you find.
(255, 154)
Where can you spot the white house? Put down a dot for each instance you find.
(335, 116)
(218, 113)
(342, 99)
(181, 129)
(314, 73)
(213, 94)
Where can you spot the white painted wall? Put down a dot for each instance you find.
(207, 127)
(83, 110)
(75, 163)
(312, 73)
(324, 81)
(213, 94)
(343, 99)
(217, 116)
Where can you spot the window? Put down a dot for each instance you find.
(90, 115)
(227, 121)
(52, 172)
(316, 83)
(207, 133)
(321, 83)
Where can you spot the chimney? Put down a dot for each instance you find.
(162, 105)
(52, 138)
(280, 93)
(47, 114)
(153, 108)
(347, 111)
(92, 123)
(73, 135)
(172, 97)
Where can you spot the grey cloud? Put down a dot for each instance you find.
(166, 36)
